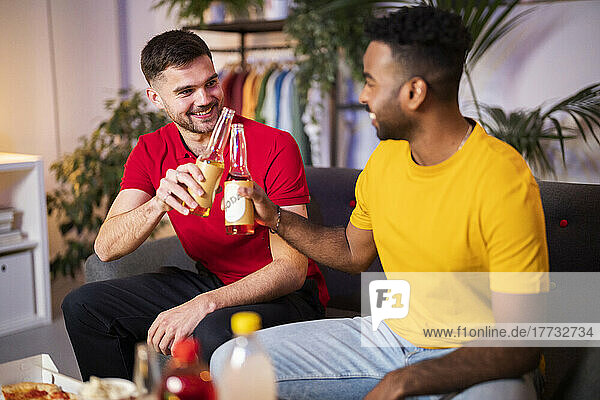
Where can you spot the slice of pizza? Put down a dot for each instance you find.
(60, 395)
(34, 391)
(28, 390)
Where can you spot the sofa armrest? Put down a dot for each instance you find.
(149, 257)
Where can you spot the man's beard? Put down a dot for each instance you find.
(186, 121)
(401, 128)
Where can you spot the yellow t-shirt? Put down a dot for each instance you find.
(477, 211)
(249, 96)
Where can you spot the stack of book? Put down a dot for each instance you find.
(8, 235)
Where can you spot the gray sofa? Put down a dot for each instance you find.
(571, 373)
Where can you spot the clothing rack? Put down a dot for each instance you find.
(243, 28)
(243, 50)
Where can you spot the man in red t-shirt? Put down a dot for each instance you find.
(259, 272)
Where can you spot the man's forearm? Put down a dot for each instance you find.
(461, 369)
(326, 245)
(274, 280)
(285, 274)
(121, 234)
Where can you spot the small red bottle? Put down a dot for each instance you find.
(186, 377)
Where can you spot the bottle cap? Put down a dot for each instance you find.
(245, 322)
(186, 350)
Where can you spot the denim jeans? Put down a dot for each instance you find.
(326, 359)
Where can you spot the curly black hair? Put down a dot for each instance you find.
(427, 42)
(175, 48)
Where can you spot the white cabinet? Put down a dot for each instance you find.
(24, 267)
(16, 286)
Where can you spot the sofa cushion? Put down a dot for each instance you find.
(331, 203)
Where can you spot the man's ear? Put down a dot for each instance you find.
(154, 97)
(414, 93)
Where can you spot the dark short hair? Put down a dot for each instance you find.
(175, 48)
(427, 42)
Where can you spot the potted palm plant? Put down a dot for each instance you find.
(526, 130)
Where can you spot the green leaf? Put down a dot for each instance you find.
(561, 138)
(66, 227)
(524, 130)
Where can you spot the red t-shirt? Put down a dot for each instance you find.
(275, 164)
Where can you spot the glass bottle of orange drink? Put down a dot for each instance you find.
(212, 163)
(239, 211)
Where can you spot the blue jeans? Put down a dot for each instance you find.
(326, 359)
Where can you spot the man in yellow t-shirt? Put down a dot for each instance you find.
(477, 211)
(437, 195)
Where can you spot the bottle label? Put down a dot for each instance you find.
(238, 210)
(212, 172)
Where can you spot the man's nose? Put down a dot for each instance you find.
(202, 97)
(362, 97)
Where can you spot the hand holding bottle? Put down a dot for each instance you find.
(177, 185)
(265, 211)
(191, 187)
(212, 163)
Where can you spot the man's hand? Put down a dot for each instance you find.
(266, 210)
(173, 188)
(176, 324)
(389, 388)
(350, 250)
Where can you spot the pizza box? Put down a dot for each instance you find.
(39, 369)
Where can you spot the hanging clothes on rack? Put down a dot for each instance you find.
(356, 133)
(262, 93)
(267, 92)
(290, 114)
(237, 91)
(277, 88)
(230, 76)
(269, 107)
(254, 97)
(317, 126)
(248, 99)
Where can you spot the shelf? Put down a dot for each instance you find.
(258, 26)
(22, 188)
(21, 246)
(250, 48)
(243, 28)
(17, 162)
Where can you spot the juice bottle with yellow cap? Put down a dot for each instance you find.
(248, 373)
